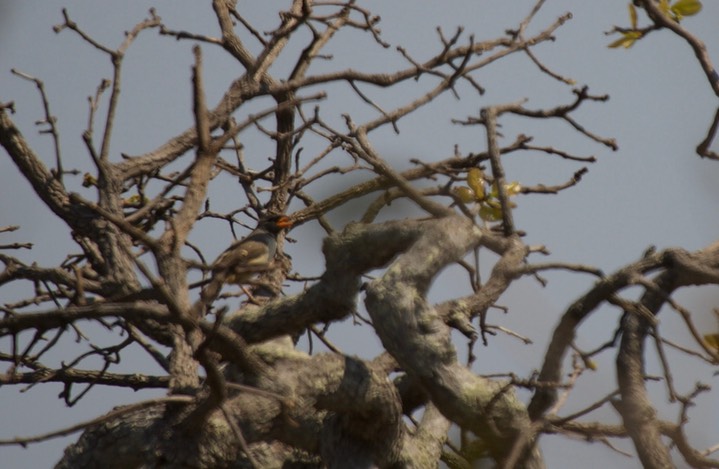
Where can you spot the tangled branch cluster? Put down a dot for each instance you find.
(240, 394)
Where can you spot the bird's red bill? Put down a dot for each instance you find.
(284, 222)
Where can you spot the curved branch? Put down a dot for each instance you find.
(700, 267)
(414, 334)
(697, 45)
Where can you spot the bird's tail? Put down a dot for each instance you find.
(208, 295)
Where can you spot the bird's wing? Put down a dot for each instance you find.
(249, 252)
(240, 262)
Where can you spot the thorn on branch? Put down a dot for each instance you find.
(703, 148)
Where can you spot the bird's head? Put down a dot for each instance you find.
(276, 223)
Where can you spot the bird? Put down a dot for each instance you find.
(246, 257)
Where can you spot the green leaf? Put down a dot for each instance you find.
(712, 340)
(475, 180)
(684, 8)
(627, 40)
(664, 6)
(465, 194)
(488, 213)
(632, 15)
(513, 188)
(491, 210)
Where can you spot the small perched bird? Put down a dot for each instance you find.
(247, 256)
